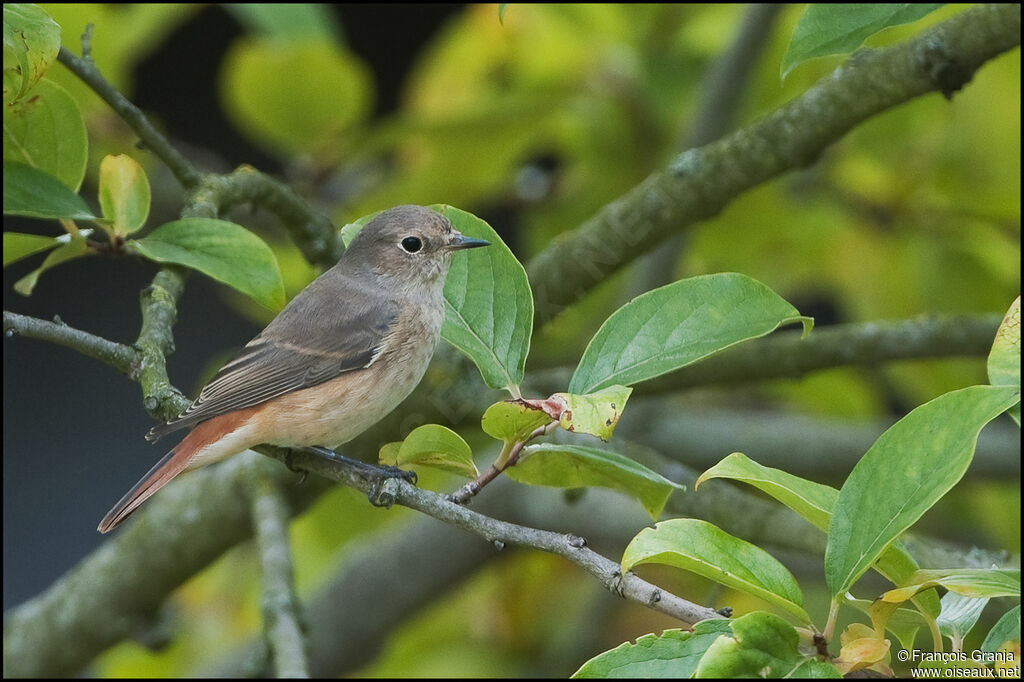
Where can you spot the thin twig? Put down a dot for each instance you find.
(508, 458)
(573, 548)
(86, 70)
(122, 358)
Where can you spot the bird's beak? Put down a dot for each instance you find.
(460, 241)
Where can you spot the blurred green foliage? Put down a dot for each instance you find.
(915, 211)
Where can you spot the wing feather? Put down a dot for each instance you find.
(302, 347)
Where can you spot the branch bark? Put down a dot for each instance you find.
(282, 616)
(700, 182)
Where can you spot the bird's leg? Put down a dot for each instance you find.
(374, 473)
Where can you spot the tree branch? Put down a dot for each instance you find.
(122, 358)
(571, 547)
(86, 70)
(784, 355)
(281, 611)
(312, 231)
(719, 95)
(700, 182)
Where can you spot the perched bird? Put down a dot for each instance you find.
(337, 359)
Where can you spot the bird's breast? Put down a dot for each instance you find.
(338, 410)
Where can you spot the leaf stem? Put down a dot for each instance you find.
(509, 455)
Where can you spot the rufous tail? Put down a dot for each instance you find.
(172, 464)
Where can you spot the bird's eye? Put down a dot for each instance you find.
(412, 244)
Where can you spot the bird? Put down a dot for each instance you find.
(338, 358)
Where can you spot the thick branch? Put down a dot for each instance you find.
(281, 612)
(313, 232)
(86, 70)
(719, 95)
(784, 355)
(156, 341)
(701, 182)
(122, 358)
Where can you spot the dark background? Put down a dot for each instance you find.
(73, 427)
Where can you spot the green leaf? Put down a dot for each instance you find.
(672, 654)
(903, 623)
(349, 231)
(74, 248)
(123, 193)
(815, 502)
(502, 6)
(513, 420)
(908, 469)
(678, 324)
(33, 193)
(294, 97)
(576, 466)
(31, 43)
(1004, 358)
(46, 131)
(1006, 629)
(977, 583)
(762, 645)
(293, 20)
(227, 252)
(959, 615)
(489, 305)
(18, 245)
(594, 413)
(707, 550)
(826, 29)
(435, 446)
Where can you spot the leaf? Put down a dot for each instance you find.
(862, 647)
(294, 96)
(35, 194)
(1006, 629)
(815, 502)
(227, 252)
(1004, 358)
(576, 466)
(46, 131)
(826, 29)
(970, 582)
(512, 421)
(75, 248)
(903, 623)
(705, 549)
(594, 413)
(18, 245)
(295, 20)
(811, 500)
(908, 469)
(489, 305)
(32, 39)
(678, 324)
(123, 193)
(959, 615)
(762, 645)
(502, 6)
(672, 654)
(435, 446)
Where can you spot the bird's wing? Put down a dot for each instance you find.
(318, 348)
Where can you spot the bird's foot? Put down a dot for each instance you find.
(375, 474)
